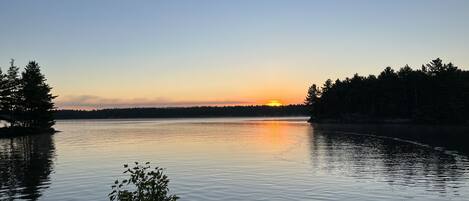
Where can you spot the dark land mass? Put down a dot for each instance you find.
(26, 101)
(437, 93)
(185, 112)
(427, 106)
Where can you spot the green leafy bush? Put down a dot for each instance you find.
(143, 184)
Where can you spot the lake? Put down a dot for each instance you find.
(229, 159)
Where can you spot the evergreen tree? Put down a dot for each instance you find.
(37, 106)
(327, 85)
(3, 92)
(12, 95)
(312, 99)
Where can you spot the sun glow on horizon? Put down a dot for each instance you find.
(274, 103)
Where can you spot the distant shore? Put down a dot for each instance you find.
(186, 112)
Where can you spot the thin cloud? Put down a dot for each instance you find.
(96, 102)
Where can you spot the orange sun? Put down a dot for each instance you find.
(274, 103)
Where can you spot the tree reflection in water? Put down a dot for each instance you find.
(351, 152)
(25, 165)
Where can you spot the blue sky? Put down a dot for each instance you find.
(169, 53)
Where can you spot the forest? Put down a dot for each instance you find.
(436, 93)
(25, 100)
(179, 112)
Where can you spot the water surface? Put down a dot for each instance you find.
(229, 159)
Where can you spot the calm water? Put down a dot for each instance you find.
(229, 159)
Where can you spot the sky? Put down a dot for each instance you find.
(105, 54)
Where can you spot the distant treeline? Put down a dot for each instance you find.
(181, 112)
(435, 93)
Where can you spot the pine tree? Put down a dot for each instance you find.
(9, 93)
(37, 106)
(3, 92)
(312, 99)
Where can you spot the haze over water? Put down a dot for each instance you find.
(229, 159)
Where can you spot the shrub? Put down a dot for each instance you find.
(143, 184)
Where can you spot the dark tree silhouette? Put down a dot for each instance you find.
(11, 98)
(37, 106)
(4, 92)
(436, 93)
(26, 101)
(312, 99)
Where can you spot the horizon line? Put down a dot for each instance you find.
(178, 107)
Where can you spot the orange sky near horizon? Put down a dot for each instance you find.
(107, 54)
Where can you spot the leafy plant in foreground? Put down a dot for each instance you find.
(143, 184)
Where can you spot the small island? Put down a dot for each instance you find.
(26, 105)
(438, 93)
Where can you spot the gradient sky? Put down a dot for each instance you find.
(171, 53)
